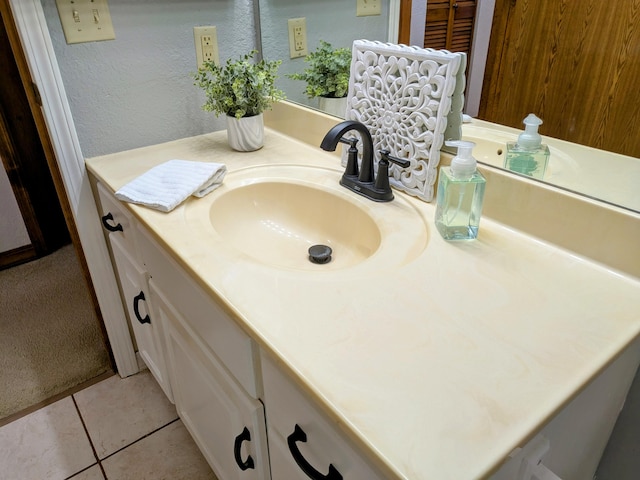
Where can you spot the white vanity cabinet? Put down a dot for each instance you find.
(226, 423)
(303, 444)
(250, 418)
(211, 362)
(215, 373)
(133, 279)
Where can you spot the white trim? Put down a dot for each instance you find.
(394, 21)
(478, 57)
(36, 42)
(418, 22)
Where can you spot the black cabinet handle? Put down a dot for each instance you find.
(136, 301)
(112, 228)
(245, 435)
(298, 435)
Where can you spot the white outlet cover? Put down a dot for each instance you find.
(198, 33)
(292, 24)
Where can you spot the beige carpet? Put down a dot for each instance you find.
(49, 336)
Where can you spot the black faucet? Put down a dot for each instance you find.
(362, 182)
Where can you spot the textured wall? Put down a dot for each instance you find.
(334, 21)
(136, 90)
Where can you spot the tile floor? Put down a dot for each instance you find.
(117, 429)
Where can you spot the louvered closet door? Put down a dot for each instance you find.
(449, 25)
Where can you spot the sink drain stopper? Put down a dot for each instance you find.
(320, 254)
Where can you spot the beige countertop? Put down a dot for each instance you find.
(436, 368)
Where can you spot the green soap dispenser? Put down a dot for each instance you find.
(460, 195)
(528, 155)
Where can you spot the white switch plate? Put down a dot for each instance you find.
(365, 8)
(206, 42)
(85, 20)
(298, 37)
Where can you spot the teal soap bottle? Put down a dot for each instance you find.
(460, 195)
(528, 156)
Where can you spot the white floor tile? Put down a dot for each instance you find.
(93, 473)
(49, 443)
(168, 454)
(120, 411)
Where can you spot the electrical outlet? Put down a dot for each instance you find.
(368, 7)
(206, 42)
(297, 37)
(85, 20)
(208, 51)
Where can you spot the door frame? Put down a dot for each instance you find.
(25, 159)
(32, 29)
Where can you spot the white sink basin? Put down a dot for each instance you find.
(273, 214)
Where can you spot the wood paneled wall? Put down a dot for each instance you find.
(575, 64)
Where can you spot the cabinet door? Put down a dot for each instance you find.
(303, 443)
(227, 424)
(304, 460)
(148, 332)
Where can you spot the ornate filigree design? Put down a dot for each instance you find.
(404, 95)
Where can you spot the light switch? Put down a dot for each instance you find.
(85, 20)
(367, 7)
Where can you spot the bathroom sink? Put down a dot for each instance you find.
(274, 214)
(277, 221)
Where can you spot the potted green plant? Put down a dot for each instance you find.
(327, 75)
(242, 90)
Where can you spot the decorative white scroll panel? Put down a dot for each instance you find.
(403, 95)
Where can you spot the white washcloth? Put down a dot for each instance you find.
(168, 185)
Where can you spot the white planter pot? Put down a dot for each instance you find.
(245, 134)
(333, 106)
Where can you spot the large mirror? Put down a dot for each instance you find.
(336, 22)
(332, 21)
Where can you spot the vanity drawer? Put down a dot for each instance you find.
(228, 342)
(117, 221)
(303, 442)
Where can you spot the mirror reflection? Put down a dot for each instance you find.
(558, 68)
(332, 22)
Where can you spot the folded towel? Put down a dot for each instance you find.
(168, 185)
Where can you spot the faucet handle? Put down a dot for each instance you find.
(352, 141)
(352, 159)
(382, 179)
(386, 157)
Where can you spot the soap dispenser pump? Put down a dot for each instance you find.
(460, 195)
(528, 155)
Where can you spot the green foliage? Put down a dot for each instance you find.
(328, 72)
(240, 88)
